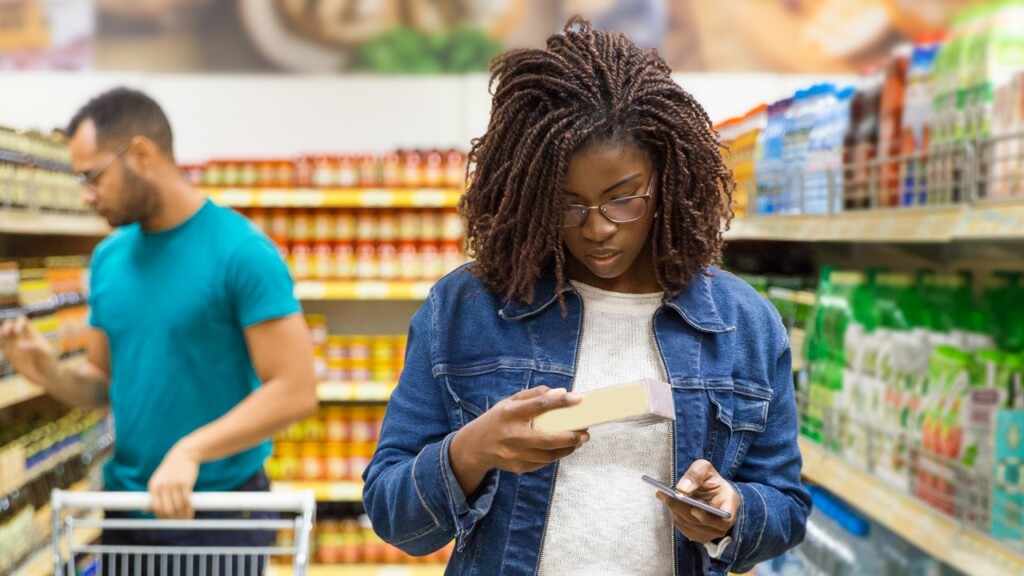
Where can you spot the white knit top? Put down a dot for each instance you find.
(604, 519)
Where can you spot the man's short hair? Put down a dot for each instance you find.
(121, 114)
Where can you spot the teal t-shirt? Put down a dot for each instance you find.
(174, 305)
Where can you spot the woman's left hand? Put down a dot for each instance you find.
(704, 483)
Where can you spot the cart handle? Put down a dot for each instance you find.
(301, 502)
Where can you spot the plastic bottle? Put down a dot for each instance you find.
(918, 115)
(898, 557)
(864, 185)
(842, 120)
(893, 90)
(770, 174)
(822, 145)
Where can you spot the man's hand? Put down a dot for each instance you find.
(172, 483)
(704, 483)
(28, 352)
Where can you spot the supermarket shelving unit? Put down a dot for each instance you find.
(375, 306)
(48, 224)
(41, 563)
(361, 290)
(975, 222)
(975, 234)
(334, 197)
(943, 537)
(326, 491)
(31, 230)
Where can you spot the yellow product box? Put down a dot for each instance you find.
(632, 405)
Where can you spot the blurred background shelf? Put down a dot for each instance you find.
(325, 491)
(356, 290)
(335, 197)
(937, 534)
(40, 223)
(355, 392)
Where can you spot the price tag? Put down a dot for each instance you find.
(310, 290)
(420, 290)
(335, 391)
(345, 492)
(276, 198)
(372, 391)
(373, 291)
(428, 198)
(308, 198)
(233, 197)
(376, 198)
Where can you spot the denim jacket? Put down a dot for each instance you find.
(728, 360)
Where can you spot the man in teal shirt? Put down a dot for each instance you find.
(197, 342)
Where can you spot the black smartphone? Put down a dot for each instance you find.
(686, 499)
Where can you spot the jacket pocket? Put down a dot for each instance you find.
(742, 414)
(474, 389)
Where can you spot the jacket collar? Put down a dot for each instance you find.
(695, 304)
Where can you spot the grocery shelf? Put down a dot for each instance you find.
(907, 225)
(41, 562)
(42, 223)
(930, 530)
(325, 490)
(17, 389)
(354, 391)
(363, 570)
(356, 290)
(993, 220)
(335, 197)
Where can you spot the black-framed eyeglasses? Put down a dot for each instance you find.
(619, 211)
(88, 179)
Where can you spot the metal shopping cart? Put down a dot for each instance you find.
(285, 519)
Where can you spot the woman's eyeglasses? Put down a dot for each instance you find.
(620, 210)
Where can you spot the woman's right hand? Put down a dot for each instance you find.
(503, 437)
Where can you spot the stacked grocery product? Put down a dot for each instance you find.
(741, 134)
(35, 174)
(334, 445)
(43, 449)
(343, 535)
(365, 244)
(50, 292)
(356, 358)
(938, 122)
(398, 169)
(916, 379)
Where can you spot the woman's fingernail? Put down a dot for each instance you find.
(686, 486)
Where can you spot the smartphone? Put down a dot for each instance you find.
(686, 499)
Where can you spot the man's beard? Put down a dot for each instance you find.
(140, 200)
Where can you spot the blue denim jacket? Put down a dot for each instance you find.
(728, 359)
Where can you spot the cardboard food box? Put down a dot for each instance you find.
(632, 405)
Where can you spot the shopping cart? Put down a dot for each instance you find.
(76, 522)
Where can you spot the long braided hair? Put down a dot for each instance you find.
(589, 87)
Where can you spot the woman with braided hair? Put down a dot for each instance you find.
(594, 210)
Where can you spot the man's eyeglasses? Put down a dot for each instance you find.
(620, 210)
(88, 179)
